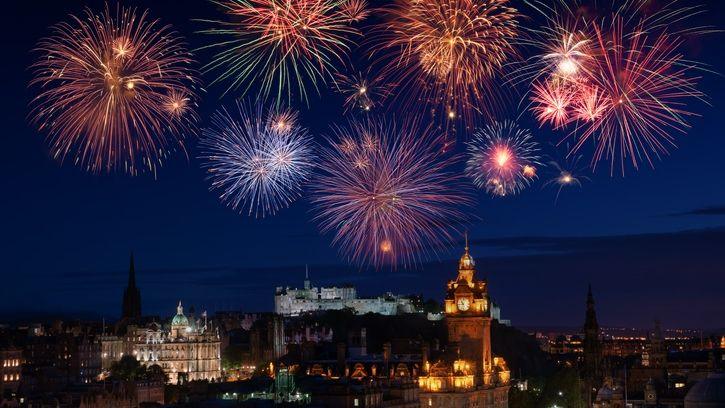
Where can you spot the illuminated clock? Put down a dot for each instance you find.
(463, 304)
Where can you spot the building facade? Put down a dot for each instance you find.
(467, 374)
(187, 350)
(294, 301)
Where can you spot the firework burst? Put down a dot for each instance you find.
(362, 92)
(502, 158)
(567, 174)
(444, 54)
(355, 10)
(552, 102)
(116, 91)
(644, 83)
(258, 164)
(280, 46)
(387, 194)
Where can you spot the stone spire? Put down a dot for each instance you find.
(592, 364)
(308, 284)
(131, 309)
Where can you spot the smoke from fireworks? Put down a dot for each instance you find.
(386, 193)
(502, 158)
(258, 164)
(446, 53)
(116, 91)
(281, 47)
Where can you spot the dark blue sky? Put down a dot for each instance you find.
(652, 243)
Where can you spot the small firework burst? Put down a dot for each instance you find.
(362, 92)
(355, 10)
(502, 158)
(279, 47)
(551, 103)
(567, 174)
(387, 194)
(116, 91)
(259, 165)
(447, 53)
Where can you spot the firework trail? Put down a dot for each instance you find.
(445, 54)
(387, 194)
(116, 91)
(355, 10)
(502, 158)
(283, 47)
(257, 164)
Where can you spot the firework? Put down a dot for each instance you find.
(645, 84)
(622, 80)
(502, 158)
(116, 91)
(362, 92)
(280, 46)
(567, 174)
(387, 193)
(446, 53)
(355, 10)
(258, 164)
(551, 103)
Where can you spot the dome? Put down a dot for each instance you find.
(179, 319)
(466, 261)
(709, 392)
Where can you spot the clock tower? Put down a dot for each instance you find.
(468, 318)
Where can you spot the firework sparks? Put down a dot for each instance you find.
(355, 10)
(567, 175)
(258, 165)
(116, 91)
(644, 83)
(281, 47)
(387, 194)
(362, 92)
(502, 158)
(551, 103)
(446, 53)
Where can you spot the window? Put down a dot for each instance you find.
(356, 402)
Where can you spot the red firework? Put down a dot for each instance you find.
(116, 91)
(645, 84)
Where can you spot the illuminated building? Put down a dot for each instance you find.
(188, 350)
(294, 302)
(11, 360)
(467, 374)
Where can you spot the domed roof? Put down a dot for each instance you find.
(179, 319)
(709, 392)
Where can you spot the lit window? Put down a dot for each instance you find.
(356, 402)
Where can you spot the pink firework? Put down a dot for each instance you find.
(502, 158)
(387, 193)
(551, 103)
(116, 91)
(645, 84)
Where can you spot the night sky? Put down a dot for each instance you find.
(652, 244)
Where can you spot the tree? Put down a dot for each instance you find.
(157, 374)
(127, 369)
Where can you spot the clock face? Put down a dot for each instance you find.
(463, 304)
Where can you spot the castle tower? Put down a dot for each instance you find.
(131, 309)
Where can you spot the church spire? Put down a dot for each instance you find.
(592, 364)
(131, 308)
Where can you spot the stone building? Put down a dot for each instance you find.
(294, 302)
(466, 374)
(187, 350)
